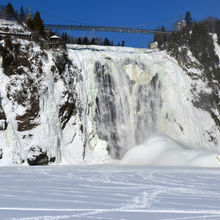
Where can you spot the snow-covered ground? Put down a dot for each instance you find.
(109, 192)
(7, 26)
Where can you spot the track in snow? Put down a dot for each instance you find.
(109, 192)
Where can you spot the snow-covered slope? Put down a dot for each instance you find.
(91, 104)
(7, 26)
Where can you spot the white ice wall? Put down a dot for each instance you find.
(177, 117)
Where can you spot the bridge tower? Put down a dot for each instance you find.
(181, 24)
(29, 17)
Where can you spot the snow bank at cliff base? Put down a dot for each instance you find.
(161, 150)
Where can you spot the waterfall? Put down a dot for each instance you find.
(103, 102)
(126, 110)
(122, 102)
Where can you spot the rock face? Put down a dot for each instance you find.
(91, 104)
(37, 157)
(3, 120)
(32, 83)
(208, 98)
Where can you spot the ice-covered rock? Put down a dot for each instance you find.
(91, 104)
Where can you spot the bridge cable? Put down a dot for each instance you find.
(84, 23)
(60, 17)
(164, 20)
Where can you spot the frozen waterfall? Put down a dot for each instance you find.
(124, 102)
(99, 104)
(129, 94)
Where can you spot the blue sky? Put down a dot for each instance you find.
(120, 13)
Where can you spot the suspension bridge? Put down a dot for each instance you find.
(55, 27)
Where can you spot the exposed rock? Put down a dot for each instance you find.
(18, 61)
(38, 157)
(3, 120)
(52, 159)
(66, 111)
(207, 101)
(26, 121)
(1, 154)
(60, 62)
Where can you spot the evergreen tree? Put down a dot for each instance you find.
(22, 15)
(16, 15)
(93, 42)
(30, 23)
(7, 60)
(64, 37)
(160, 37)
(198, 40)
(85, 41)
(188, 19)
(107, 42)
(217, 29)
(202, 47)
(8, 43)
(2, 12)
(10, 13)
(38, 23)
(79, 41)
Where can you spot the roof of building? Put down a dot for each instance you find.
(54, 37)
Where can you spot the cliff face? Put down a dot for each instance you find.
(90, 104)
(32, 83)
(205, 78)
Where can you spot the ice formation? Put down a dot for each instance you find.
(94, 103)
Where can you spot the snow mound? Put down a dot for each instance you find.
(161, 150)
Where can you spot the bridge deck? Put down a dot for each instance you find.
(104, 29)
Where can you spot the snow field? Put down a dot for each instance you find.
(109, 192)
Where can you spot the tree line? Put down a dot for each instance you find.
(86, 41)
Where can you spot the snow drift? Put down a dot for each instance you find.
(161, 150)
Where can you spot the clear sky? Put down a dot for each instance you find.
(133, 13)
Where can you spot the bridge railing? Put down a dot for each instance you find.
(19, 35)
